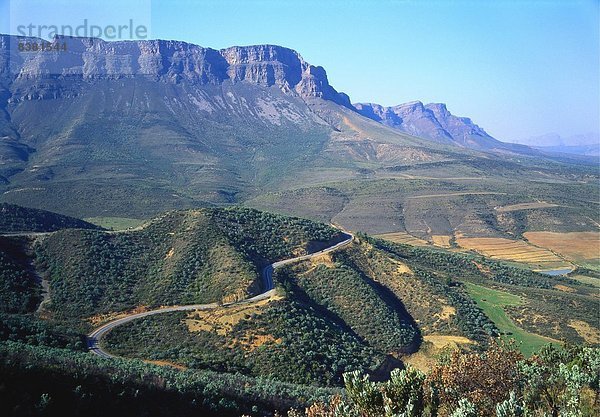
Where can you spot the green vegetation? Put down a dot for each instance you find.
(465, 266)
(286, 341)
(33, 331)
(492, 302)
(19, 289)
(344, 292)
(197, 256)
(251, 231)
(549, 304)
(44, 381)
(15, 218)
(497, 383)
(358, 310)
(115, 223)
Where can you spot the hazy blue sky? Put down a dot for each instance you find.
(517, 68)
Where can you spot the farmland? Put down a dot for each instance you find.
(538, 258)
(404, 238)
(580, 247)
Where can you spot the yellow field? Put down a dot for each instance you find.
(588, 333)
(525, 206)
(575, 246)
(514, 250)
(432, 346)
(223, 319)
(441, 240)
(403, 237)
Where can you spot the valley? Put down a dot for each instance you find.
(162, 294)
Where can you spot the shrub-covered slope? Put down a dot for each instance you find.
(15, 218)
(198, 256)
(19, 289)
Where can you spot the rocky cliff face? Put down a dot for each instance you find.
(168, 61)
(432, 121)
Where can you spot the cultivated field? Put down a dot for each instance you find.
(579, 247)
(441, 240)
(404, 238)
(514, 250)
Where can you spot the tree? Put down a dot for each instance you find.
(484, 379)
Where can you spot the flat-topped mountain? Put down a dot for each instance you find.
(171, 61)
(167, 124)
(133, 128)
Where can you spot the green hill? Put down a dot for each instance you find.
(198, 256)
(369, 306)
(15, 219)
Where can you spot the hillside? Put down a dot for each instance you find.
(14, 219)
(370, 307)
(203, 127)
(200, 256)
(367, 307)
(176, 125)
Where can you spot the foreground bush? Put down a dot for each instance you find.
(556, 382)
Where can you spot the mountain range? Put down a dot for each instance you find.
(433, 121)
(134, 128)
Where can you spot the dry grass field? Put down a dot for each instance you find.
(579, 247)
(432, 347)
(514, 250)
(590, 334)
(222, 319)
(403, 237)
(442, 241)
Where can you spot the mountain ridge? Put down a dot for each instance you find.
(433, 121)
(136, 128)
(265, 65)
(173, 61)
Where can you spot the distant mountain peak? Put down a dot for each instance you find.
(432, 121)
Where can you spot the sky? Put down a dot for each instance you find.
(517, 68)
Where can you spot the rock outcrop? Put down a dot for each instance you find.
(432, 121)
(168, 61)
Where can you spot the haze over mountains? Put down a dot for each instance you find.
(582, 144)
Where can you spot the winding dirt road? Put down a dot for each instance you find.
(269, 290)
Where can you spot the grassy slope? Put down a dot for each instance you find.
(493, 303)
(115, 223)
(401, 205)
